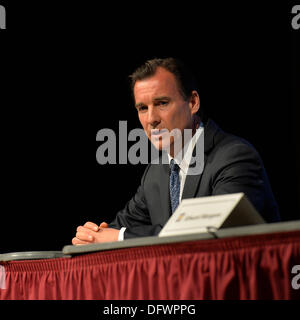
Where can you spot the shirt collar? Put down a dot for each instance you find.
(186, 159)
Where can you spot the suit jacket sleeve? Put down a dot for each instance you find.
(135, 216)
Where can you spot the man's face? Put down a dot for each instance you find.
(160, 106)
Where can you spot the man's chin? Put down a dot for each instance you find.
(161, 145)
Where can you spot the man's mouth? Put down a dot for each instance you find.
(158, 132)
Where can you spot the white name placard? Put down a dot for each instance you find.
(213, 212)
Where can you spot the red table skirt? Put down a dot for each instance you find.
(251, 267)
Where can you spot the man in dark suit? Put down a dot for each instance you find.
(166, 98)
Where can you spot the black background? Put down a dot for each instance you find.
(64, 74)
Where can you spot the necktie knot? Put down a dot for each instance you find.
(174, 166)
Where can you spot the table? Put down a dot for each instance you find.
(257, 266)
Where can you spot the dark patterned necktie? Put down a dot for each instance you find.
(174, 185)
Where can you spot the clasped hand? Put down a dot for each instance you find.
(92, 233)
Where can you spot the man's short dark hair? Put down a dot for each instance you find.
(185, 79)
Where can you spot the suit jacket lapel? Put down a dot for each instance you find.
(190, 186)
(192, 181)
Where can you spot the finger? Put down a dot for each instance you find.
(91, 225)
(103, 225)
(84, 236)
(76, 242)
(84, 229)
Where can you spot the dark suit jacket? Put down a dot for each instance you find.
(231, 165)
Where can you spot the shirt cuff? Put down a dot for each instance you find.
(121, 234)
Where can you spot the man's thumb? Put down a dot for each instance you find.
(103, 225)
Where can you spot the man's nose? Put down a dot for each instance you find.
(153, 117)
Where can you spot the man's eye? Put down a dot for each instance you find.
(162, 103)
(142, 108)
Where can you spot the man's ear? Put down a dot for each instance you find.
(194, 102)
